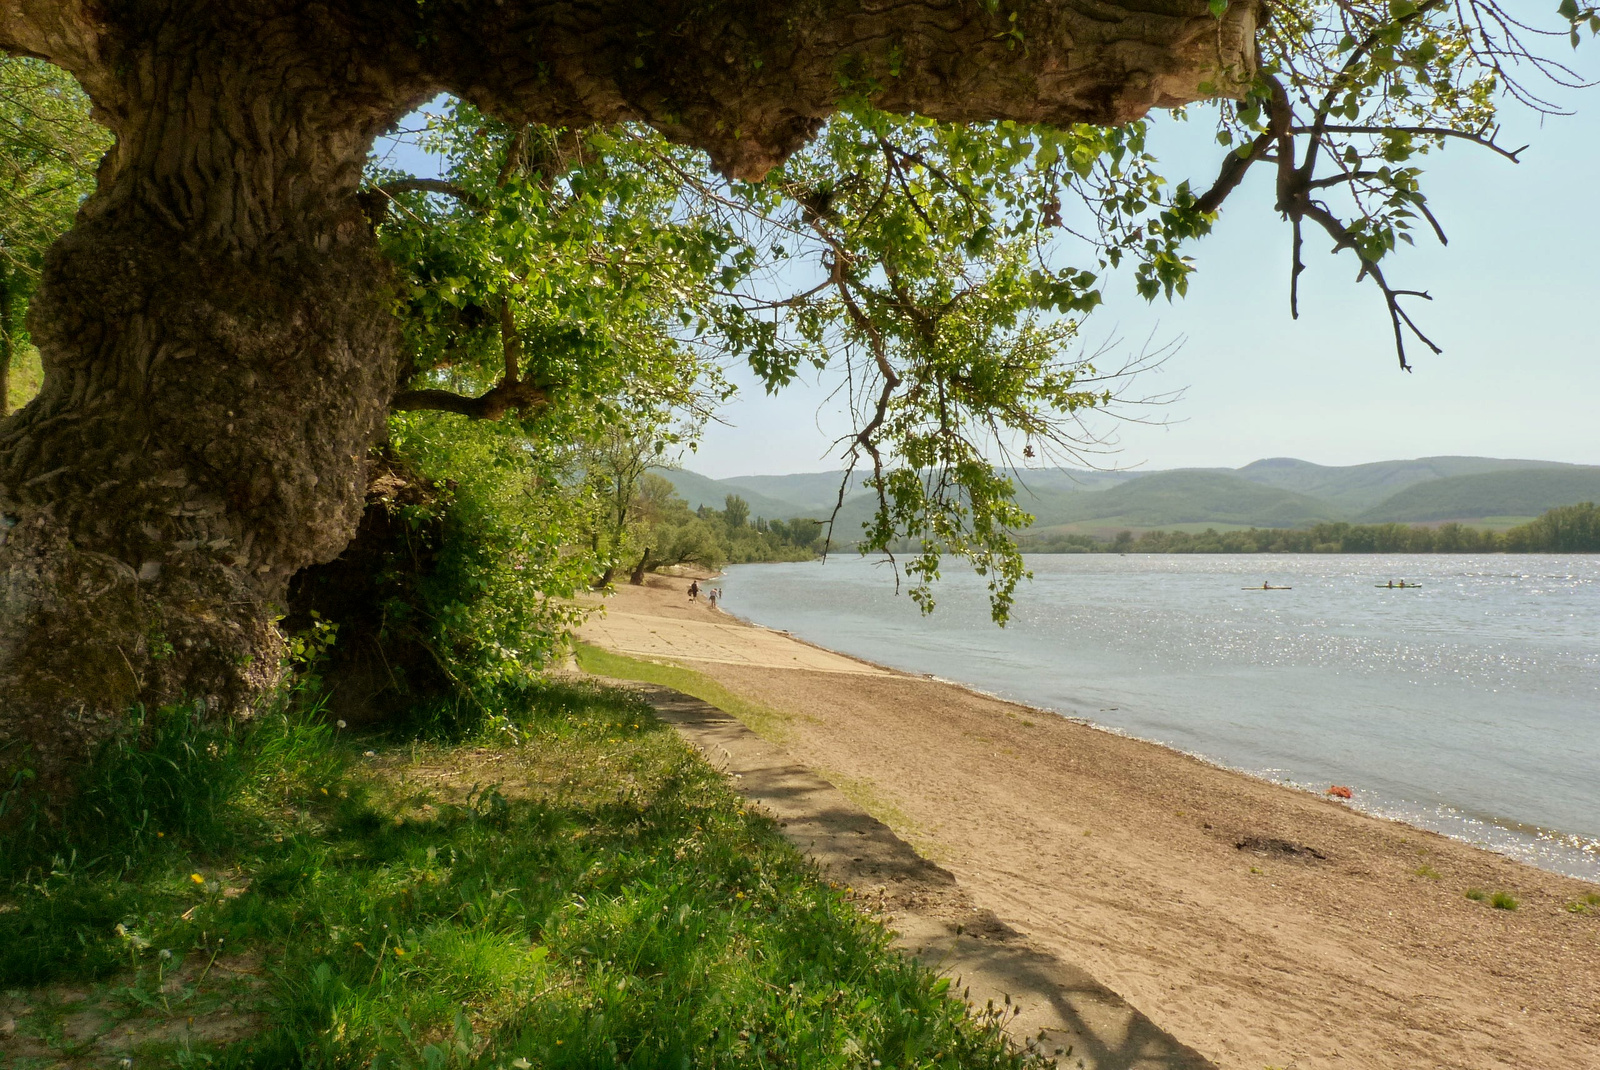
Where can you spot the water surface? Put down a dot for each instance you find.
(1470, 706)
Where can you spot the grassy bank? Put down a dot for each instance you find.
(763, 720)
(571, 888)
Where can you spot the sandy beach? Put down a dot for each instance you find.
(1265, 927)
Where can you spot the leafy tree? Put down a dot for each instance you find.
(48, 146)
(801, 532)
(458, 586)
(218, 329)
(735, 511)
(669, 533)
(615, 466)
(1564, 530)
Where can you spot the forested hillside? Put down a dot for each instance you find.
(1519, 492)
(1277, 493)
(1354, 488)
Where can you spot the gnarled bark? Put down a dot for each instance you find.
(219, 354)
(215, 331)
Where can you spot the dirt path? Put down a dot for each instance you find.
(1263, 926)
(1047, 1005)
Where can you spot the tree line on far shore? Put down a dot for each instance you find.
(1566, 529)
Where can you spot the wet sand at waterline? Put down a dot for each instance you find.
(1328, 939)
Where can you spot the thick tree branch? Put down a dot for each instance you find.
(510, 344)
(433, 185)
(511, 393)
(1234, 167)
(750, 83)
(504, 398)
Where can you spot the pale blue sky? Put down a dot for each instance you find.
(1514, 309)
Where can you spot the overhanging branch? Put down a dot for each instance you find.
(504, 398)
(433, 185)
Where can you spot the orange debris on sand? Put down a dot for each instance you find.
(1339, 791)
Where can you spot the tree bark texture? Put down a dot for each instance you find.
(218, 348)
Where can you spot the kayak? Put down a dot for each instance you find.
(1268, 588)
(1396, 586)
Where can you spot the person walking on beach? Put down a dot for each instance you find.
(711, 596)
(694, 590)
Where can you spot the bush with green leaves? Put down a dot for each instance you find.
(48, 148)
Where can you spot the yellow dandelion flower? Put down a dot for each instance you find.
(197, 878)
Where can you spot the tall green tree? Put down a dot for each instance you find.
(218, 329)
(48, 148)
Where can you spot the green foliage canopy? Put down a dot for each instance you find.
(48, 148)
(940, 270)
(577, 283)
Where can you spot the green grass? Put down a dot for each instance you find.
(765, 721)
(1499, 900)
(573, 888)
(1428, 871)
(27, 374)
(1578, 906)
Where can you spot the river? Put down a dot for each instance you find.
(1470, 705)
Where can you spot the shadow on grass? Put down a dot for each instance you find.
(571, 887)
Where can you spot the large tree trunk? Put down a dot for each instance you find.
(219, 353)
(215, 331)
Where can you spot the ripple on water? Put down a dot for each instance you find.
(1467, 706)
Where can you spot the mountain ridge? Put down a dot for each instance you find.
(1283, 492)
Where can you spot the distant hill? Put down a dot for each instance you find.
(1181, 497)
(1279, 492)
(819, 491)
(1070, 480)
(812, 492)
(1353, 488)
(699, 490)
(1519, 492)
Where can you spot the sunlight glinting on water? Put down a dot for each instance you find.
(1470, 705)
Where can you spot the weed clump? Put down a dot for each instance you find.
(1499, 900)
